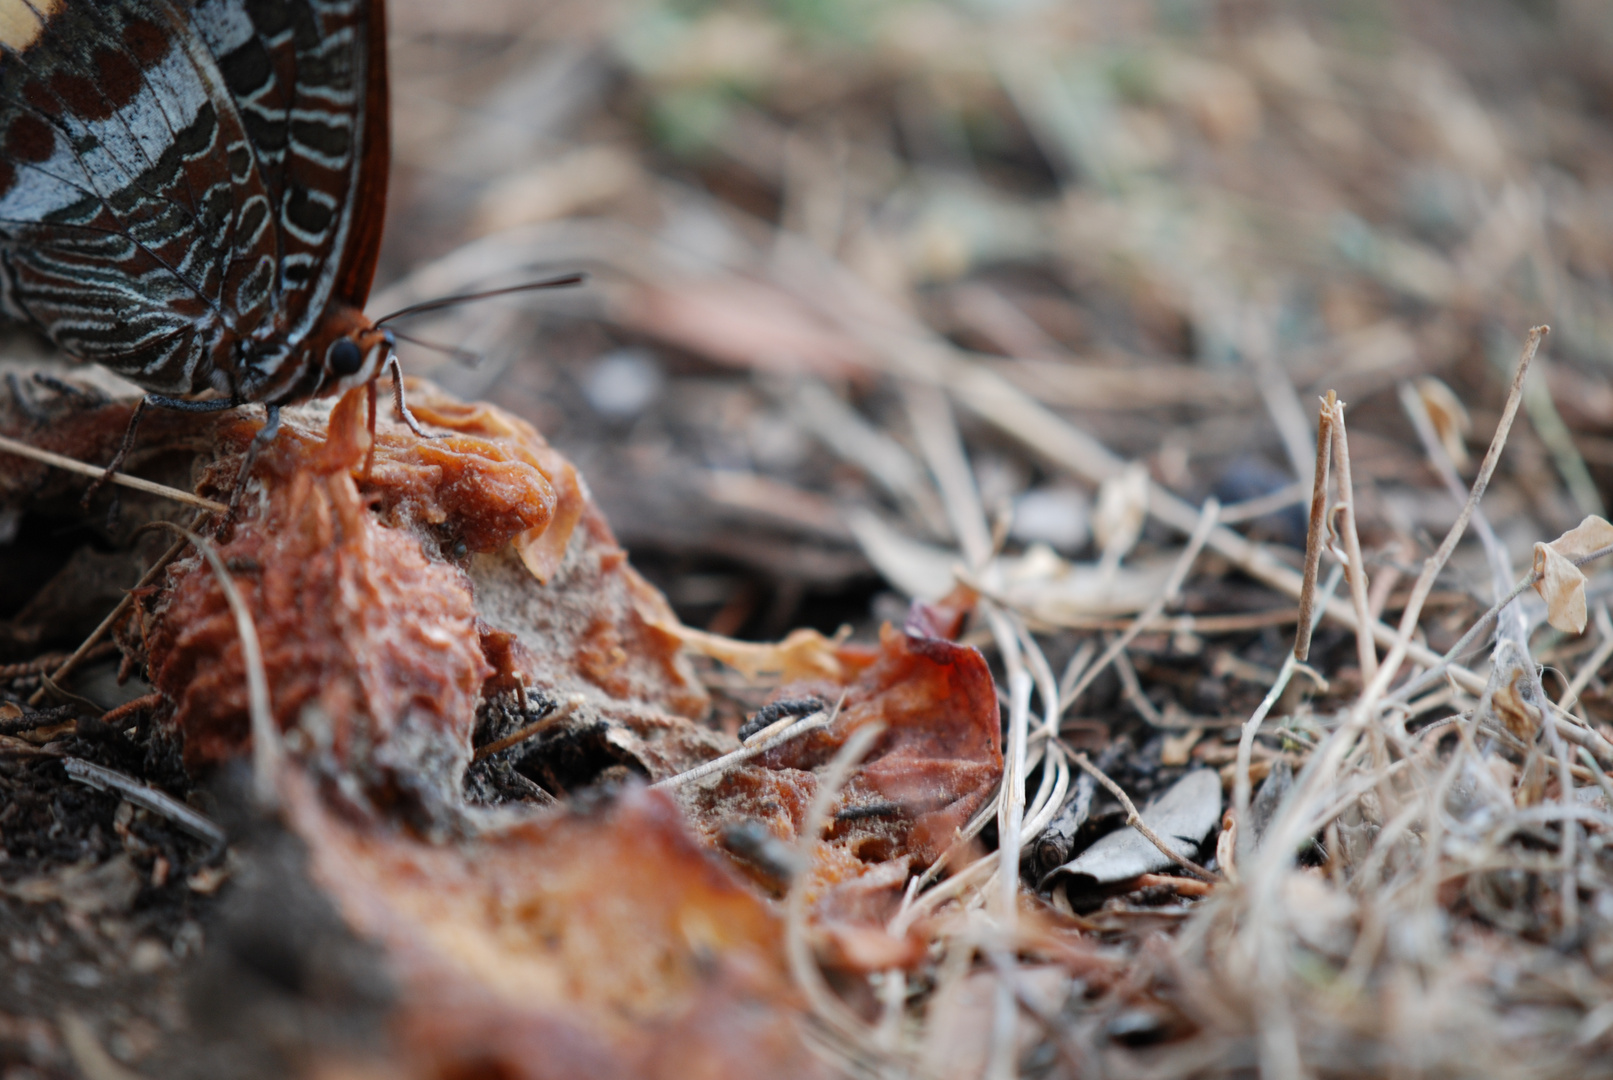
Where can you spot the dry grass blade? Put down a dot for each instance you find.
(803, 965)
(60, 461)
(1246, 740)
(1313, 537)
(1355, 567)
(794, 730)
(146, 797)
(1184, 563)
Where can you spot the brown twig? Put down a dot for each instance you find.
(537, 727)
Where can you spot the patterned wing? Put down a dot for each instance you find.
(177, 181)
(308, 78)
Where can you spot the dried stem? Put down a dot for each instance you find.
(805, 724)
(61, 461)
(1357, 571)
(146, 797)
(1313, 538)
(1436, 562)
(537, 727)
(1246, 740)
(1184, 563)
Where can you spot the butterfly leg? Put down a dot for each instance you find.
(265, 436)
(150, 401)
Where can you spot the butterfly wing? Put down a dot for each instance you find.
(179, 183)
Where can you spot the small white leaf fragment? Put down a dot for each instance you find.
(1182, 817)
(1560, 583)
(1122, 510)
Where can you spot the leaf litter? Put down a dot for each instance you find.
(889, 272)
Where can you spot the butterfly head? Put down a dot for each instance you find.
(355, 358)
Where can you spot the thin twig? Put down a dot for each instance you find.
(61, 461)
(1436, 562)
(801, 727)
(1587, 671)
(145, 796)
(1135, 820)
(1246, 740)
(1365, 649)
(537, 727)
(1184, 562)
(1465, 642)
(1598, 775)
(1264, 505)
(113, 618)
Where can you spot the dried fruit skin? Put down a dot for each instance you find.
(359, 615)
(603, 944)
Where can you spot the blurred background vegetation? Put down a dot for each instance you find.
(1154, 216)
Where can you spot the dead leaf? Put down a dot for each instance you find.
(744, 323)
(1532, 784)
(1449, 416)
(1178, 748)
(588, 943)
(1520, 717)
(1592, 534)
(1562, 585)
(902, 806)
(579, 181)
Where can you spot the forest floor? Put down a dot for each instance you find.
(1032, 313)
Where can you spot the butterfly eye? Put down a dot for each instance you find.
(344, 358)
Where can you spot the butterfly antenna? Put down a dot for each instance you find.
(454, 301)
(464, 356)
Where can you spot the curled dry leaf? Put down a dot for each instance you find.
(1449, 417)
(1509, 697)
(1562, 584)
(933, 768)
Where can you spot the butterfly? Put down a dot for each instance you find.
(191, 194)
